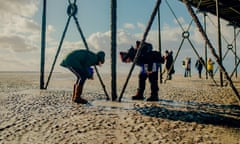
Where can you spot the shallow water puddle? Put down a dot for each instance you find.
(126, 104)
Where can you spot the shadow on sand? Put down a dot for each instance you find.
(202, 113)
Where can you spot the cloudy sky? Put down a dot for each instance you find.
(20, 31)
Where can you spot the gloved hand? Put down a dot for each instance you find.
(91, 71)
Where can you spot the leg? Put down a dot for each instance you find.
(185, 73)
(199, 73)
(153, 79)
(141, 87)
(211, 73)
(78, 86)
(169, 76)
(78, 92)
(76, 83)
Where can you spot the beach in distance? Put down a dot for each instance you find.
(189, 111)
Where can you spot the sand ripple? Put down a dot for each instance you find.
(188, 112)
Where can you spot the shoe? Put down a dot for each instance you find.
(137, 97)
(151, 98)
(77, 97)
(81, 101)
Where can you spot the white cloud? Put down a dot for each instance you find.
(17, 24)
(124, 38)
(16, 43)
(26, 8)
(171, 34)
(129, 26)
(50, 29)
(12, 61)
(99, 41)
(18, 31)
(141, 26)
(20, 38)
(16, 17)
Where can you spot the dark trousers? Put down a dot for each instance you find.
(200, 73)
(81, 78)
(187, 72)
(210, 72)
(153, 79)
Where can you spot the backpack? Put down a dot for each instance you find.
(145, 51)
(147, 55)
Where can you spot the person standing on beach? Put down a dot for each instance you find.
(79, 62)
(199, 66)
(210, 64)
(169, 67)
(149, 69)
(187, 67)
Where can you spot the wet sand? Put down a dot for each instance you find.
(190, 111)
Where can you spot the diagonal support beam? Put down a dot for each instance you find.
(155, 10)
(72, 11)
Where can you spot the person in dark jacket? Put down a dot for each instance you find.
(199, 66)
(187, 67)
(149, 69)
(79, 62)
(169, 67)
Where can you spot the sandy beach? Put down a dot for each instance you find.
(190, 111)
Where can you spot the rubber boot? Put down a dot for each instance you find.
(138, 96)
(78, 93)
(153, 97)
(74, 92)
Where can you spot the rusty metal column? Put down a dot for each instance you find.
(206, 53)
(114, 46)
(235, 47)
(219, 42)
(43, 45)
(160, 42)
